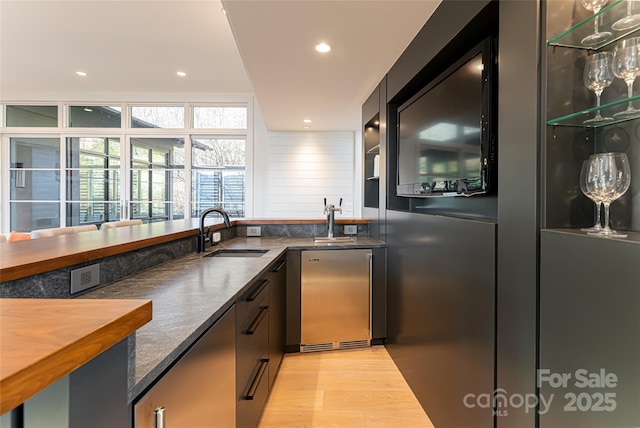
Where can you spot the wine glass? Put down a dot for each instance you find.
(584, 173)
(626, 66)
(609, 178)
(597, 36)
(598, 75)
(630, 20)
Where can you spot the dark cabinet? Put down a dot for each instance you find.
(252, 354)
(372, 162)
(572, 133)
(199, 388)
(260, 341)
(277, 316)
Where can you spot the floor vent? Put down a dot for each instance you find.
(355, 344)
(316, 347)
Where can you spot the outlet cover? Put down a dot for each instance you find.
(253, 230)
(350, 229)
(84, 278)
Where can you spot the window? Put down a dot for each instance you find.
(101, 163)
(157, 117)
(95, 117)
(93, 180)
(220, 117)
(157, 178)
(32, 116)
(35, 183)
(218, 171)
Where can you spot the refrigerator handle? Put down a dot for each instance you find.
(370, 295)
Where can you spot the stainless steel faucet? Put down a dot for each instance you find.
(330, 210)
(202, 236)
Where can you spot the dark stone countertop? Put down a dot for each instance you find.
(190, 293)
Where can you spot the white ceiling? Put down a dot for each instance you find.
(137, 46)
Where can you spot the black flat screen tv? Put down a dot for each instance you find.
(447, 131)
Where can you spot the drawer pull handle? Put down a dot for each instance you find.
(258, 289)
(158, 417)
(256, 380)
(280, 266)
(255, 324)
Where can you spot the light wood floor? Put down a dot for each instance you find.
(345, 388)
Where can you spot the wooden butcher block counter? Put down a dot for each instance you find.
(43, 340)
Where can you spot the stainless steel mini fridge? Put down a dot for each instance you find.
(335, 299)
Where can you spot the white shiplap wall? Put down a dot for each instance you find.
(300, 169)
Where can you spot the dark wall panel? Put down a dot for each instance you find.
(449, 18)
(518, 153)
(589, 320)
(441, 285)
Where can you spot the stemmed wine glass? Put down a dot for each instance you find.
(626, 66)
(598, 75)
(609, 177)
(630, 20)
(584, 176)
(597, 36)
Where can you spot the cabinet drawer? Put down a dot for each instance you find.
(252, 344)
(251, 300)
(254, 396)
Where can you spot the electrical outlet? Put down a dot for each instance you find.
(216, 237)
(350, 229)
(253, 230)
(84, 278)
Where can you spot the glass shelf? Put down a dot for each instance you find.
(572, 37)
(372, 178)
(606, 110)
(374, 150)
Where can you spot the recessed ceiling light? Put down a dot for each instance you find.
(181, 73)
(88, 109)
(81, 73)
(307, 120)
(323, 47)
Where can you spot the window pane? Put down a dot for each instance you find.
(32, 116)
(95, 117)
(217, 152)
(93, 152)
(35, 152)
(93, 185)
(159, 151)
(80, 213)
(28, 216)
(157, 117)
(35, 185)
(221, 188)
(220, 117)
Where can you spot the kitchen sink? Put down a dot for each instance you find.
(236, 252)
(328, 240)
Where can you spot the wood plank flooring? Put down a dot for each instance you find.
(345, 388)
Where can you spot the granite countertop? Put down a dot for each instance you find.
(190, 293)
